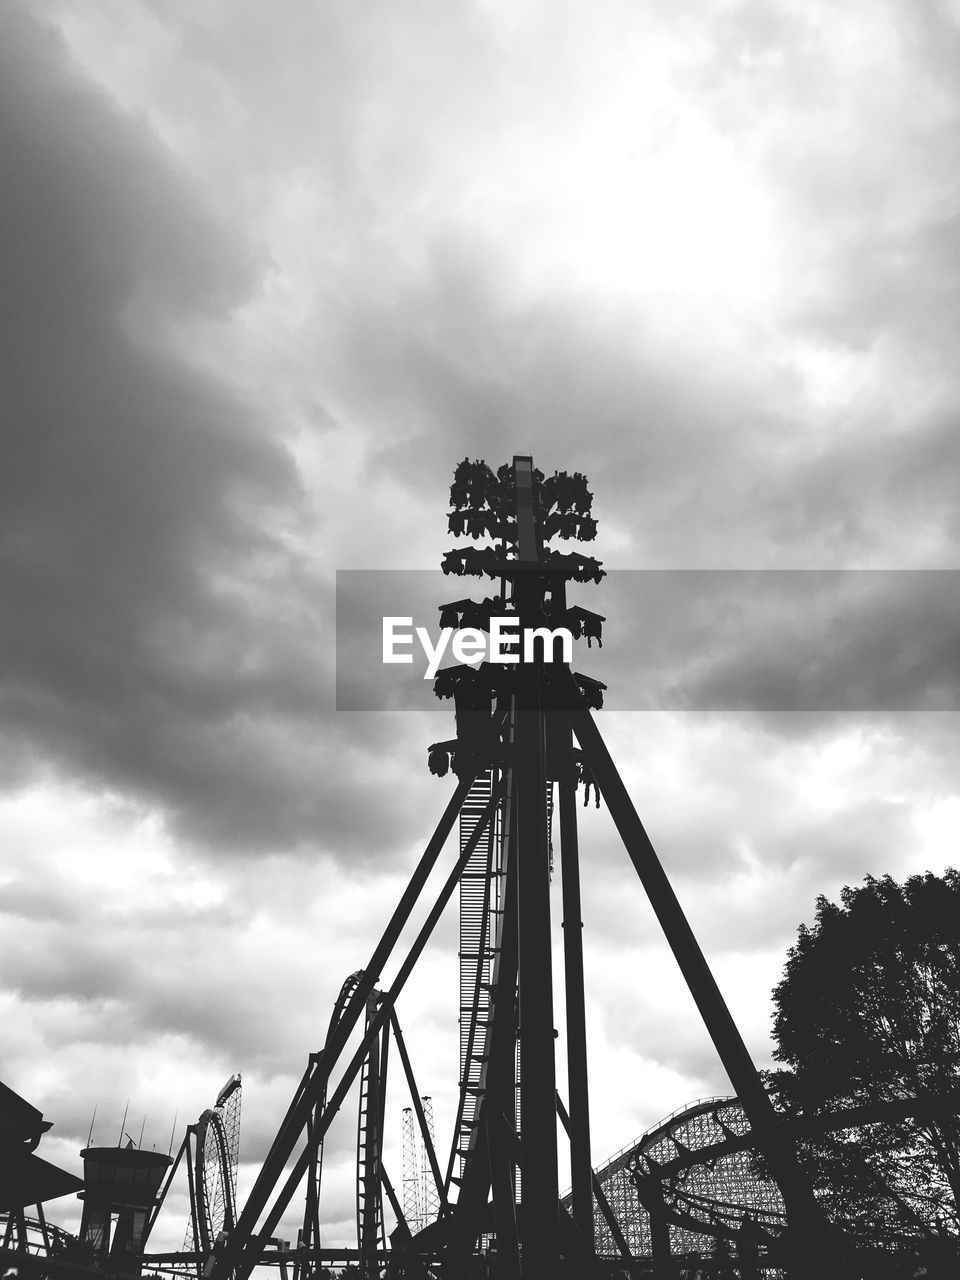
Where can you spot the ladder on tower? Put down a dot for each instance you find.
(480, 906)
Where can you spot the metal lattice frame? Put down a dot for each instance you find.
(215, 1166)
(228, 1104)
(429, 1198)
(696, 1171)
(212, 1149)
(411, 1173)
(214, 1192)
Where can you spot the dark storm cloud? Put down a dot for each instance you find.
(149, 619)
(830, 642)
(157, 633)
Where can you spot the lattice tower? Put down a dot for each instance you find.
(428, 1188)
(412, 1203)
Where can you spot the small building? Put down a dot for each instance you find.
(121, 1187)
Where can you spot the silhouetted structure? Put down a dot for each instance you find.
(514, 726)
(26, 1180)
(210, 1151)
(717, 1184)
(688, 1181)
(121, 1189)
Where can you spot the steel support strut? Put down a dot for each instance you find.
(417, 1102)
(238, 1257)
(602, 1203)
(539, 1193)
(581, 1169)
(346, 1080)
(578, 1127)
(539, 1190)
(812, 1250)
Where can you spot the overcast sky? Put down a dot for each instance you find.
(268, 272)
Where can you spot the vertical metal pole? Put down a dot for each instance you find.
(581, 1167)
(194, 1206)
(503, 1182)
(659, 1227)
(539, 1195)
(309, 1234)
(539, 1220)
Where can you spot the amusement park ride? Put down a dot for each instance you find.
(493, 1208)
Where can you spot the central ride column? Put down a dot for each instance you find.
(539, 1198)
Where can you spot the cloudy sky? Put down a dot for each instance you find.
(268, 273)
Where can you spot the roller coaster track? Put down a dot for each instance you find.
(211, 1148)
(215, 1167)
(695, 1171)
(34, 1236)
(310, 1231)
(370, 1231)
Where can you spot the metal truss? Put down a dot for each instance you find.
(690, 1180)
(35, 1236)
(515, 725)
(211, 1152)
(412, 1197)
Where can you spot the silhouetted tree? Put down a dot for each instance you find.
(868, 1011)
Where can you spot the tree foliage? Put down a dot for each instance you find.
(868, 1013)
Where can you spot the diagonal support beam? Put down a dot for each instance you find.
(311, 1087)
(581, 1167)
(418, 1111)
(597, 1187)
(242, 1256)
(498, 1079)
(812, 1248)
